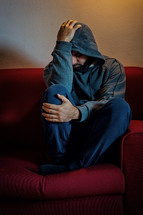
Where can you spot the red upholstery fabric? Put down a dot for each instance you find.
(132, 164)
(94, 205)
(21, 90)
(134, 91)
(96, 180)
(134, 133)
(20, 122)
(19, 178)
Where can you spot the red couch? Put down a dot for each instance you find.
(105, 189)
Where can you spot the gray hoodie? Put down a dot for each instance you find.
(93, 85)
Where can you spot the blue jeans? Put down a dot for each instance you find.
(81, 144)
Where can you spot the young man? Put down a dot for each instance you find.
(83, 108)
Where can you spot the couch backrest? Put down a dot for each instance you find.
(20, 94)
(134, 91)
(20, 122)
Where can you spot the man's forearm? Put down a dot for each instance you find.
(61, 70)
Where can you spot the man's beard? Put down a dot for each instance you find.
(85, 65)
(77, 66)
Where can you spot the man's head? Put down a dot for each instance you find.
(84, 47)
(78, 59)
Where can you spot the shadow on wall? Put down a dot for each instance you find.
(11, 57)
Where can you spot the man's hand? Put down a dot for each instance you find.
(60, 113)
(67, 30)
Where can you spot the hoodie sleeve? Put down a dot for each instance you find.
(113, 86)
(60, 70)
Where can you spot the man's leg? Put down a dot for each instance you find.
(104, 128)
(56, 134)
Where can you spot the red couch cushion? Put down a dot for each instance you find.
(97, 180)
(19, 178)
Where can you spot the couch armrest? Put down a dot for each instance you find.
(132, 166)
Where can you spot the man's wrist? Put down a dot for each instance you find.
(63, 40)
(63, 45)
(77, 114)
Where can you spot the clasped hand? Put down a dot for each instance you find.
(60, 113)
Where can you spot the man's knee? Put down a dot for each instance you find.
(119, 109)
(50, 94)
(119, 105)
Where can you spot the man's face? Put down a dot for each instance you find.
(78, 59)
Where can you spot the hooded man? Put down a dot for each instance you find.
(83, 107)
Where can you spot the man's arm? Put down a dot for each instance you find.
(114, 86)
(60, 70)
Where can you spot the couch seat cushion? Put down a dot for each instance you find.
(19, 178)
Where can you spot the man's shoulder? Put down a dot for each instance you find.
(111, 62)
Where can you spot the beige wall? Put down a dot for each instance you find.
(28, 29)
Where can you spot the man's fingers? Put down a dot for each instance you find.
(62, 98)
(71, 23)
(50, 106)
(48, 110)
(64, 23)
(50, 117)
(77, 26)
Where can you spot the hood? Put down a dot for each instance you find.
(84, 43)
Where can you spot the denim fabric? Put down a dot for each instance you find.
(81, 144)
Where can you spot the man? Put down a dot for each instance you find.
(83, 108)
